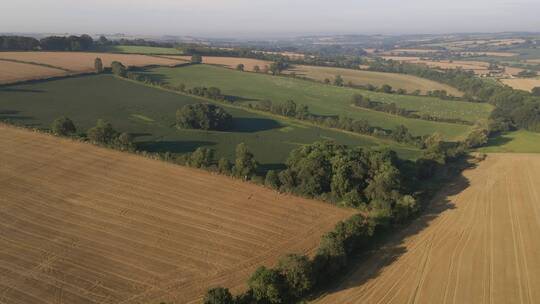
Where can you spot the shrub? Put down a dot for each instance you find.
(272, 180)
(98, 65)
(218, 296)
(203, 116)
(103, 132)
(118, 69)
(63, 126)
(224, 166)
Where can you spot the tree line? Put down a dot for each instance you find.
(51, 43)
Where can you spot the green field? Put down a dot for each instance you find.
(514, 142)
(327, 100)
(149, 114)
(134, 49)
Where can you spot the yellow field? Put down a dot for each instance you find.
(14, 72)
(526, 84)
(81, 62)
(358, 77)
(477, 245)
(82, 224)
(228, 62)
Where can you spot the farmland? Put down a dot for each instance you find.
(228, 62)
(325, 99)
(82, 224)
(149, 114)
(525, 84)
(14, 71)
(479, 245)
(514, 142)
(363, 78)
(81, 62)
(149, 50)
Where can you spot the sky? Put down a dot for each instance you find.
(259, 18)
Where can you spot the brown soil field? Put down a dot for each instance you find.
(79, 62)
(358, 77)
(228, 62)
(479, 67)
(525, 84)
(494, 54)
(479, 244)
(14, 72)
(83, 224)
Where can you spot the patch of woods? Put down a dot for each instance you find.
(203, 116)
(361, 101)
(514, 109)
(51, 43)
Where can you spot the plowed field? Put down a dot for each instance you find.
(82, 224)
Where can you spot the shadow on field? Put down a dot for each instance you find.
(498, 141)
(250, 125)
(172, 146)
(389, 247)
(13, 115)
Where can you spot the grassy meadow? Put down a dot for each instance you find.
(149, 114)
(148, 50)
(327, 100)
(514, 142)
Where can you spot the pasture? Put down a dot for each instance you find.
(327, 100)
(137, 49)
(14, 72)
(83, 62)
(514, 142)
(363, 78)
(477, 245)
(149, 114)
(83, 224)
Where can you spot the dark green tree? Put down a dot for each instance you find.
(272, 180)
(245, 165)
(118, 69)
(298, 273)
(203, 116)
(98, 65)
(224, 166)
(338, 81)
(63, 126)
(218, 295)
(240, 67)
(103, 132)
(257, 69)
(201, 158)
(268, 286)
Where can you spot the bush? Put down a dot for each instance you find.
(63, 126)
(218, 296)
(201, 158)
(203, 116)
(298, 273)
(224, 166)
(245, 165)
(98, 65)
(103, 132)
(118, 69)
(272, 180)
(268, 286)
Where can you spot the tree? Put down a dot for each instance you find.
(245, 165)
(218, 295)
(256, 69)
(386, 89)
(268, 286)
(272, 180)
(224, 166)
(125, 141)
(298, 274)
(103, 132)
(477, 138)
(118, 69)
(240, 67)
(201, 158)
(338, 81)
(536, 91)
(203, 116)
(63, 126)
(196, 59)
(98, 65)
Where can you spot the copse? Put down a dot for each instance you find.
(103, 132)
(118, 69)
(98, 65)
(63, 126)
(203, 116)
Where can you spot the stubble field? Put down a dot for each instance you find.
(82, 224)
(477, 246)
(14, 71)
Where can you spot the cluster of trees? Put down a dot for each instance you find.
(102, 133)
(118, 69)
(391, 108)
(514, 108)
(51, 43)
(203, 116)
(288, 109)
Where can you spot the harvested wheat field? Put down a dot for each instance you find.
(480, 244)
(82, 224)
(525, 84)
(228, 62)
(80, 62)
(358, 77)
(11, 72)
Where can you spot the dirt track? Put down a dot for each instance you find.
(481, 245)
(81, 224)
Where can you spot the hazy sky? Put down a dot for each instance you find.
(268, 17)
